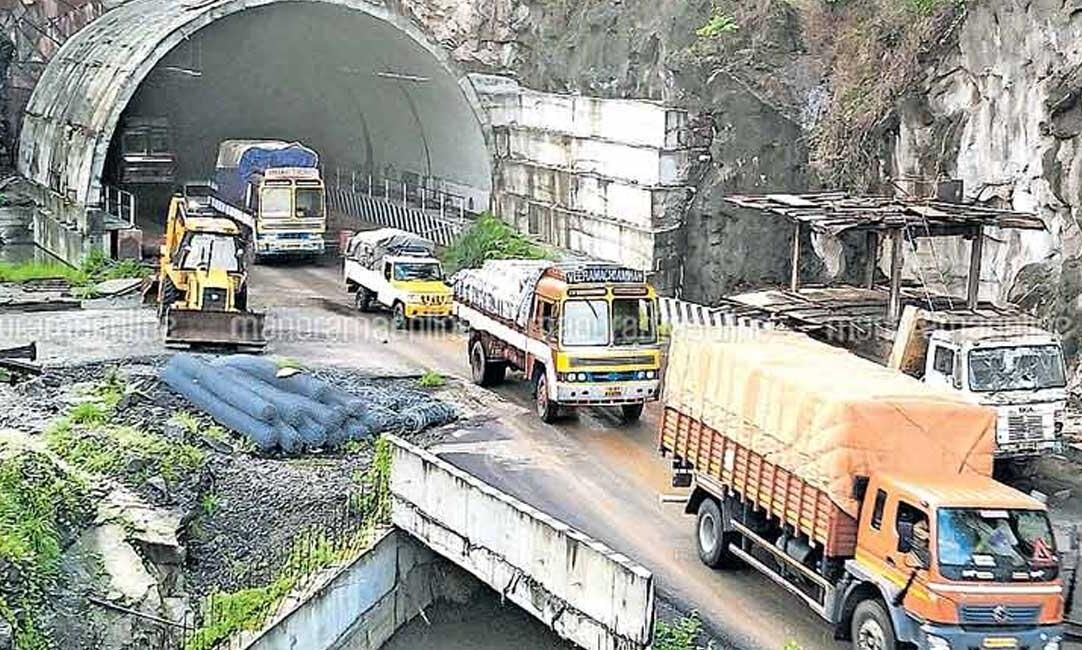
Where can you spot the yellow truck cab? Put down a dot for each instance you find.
(398, 270)
(584, 333)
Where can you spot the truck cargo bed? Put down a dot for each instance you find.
(782, 493)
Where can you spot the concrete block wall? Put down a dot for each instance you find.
(607, 177)
(586, 592)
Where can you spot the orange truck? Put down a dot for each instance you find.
(862, 491)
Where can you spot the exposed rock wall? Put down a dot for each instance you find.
(1001, 110)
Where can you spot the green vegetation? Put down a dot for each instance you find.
(431, 379)
(209, 503)
(681, 634)
(720, 23)
(87, 439)
(39, 506)
(489, 238)
(95, 268)
(227, 613)
(876, 49)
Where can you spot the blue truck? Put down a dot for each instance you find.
(275, 189)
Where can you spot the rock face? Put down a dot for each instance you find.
(1001, 111)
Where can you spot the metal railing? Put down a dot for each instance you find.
(118, 203)
(410, 191)
(675, 312)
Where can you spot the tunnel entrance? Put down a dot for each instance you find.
(350, 80)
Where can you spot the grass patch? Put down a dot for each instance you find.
(719, 24)
(41, 508)
(210, 503)
(95, 268)
(681, 634)
(431, 379)
(226, 613)
(86, 439)
(489, 238)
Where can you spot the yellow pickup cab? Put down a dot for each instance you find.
(397, 270)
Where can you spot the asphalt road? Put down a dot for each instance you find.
(589, 469)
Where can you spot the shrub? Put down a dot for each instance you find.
(489, 238)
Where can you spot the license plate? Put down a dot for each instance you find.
(613, 391)
(1000, 642)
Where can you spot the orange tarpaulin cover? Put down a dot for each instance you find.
(821, 412)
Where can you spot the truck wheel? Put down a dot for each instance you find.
(399, 318)
(483, 371)
(546, 410)
(871, 627)
(711, 538)
(631, 412)
(363, 299)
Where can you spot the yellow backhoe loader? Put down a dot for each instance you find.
(203, 280)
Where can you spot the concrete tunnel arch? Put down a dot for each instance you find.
(408, 96)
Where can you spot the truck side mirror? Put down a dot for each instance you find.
(956, 376)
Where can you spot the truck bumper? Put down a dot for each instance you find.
(607, 394)
(277, 245)
(959, 638)
(428, 311)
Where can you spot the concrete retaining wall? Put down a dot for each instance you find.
(586, 592)
(361, 606)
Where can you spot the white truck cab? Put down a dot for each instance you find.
(1019, 371)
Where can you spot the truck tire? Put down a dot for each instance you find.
(546, 409)
(871, 627)
(363, 299)
(483, 371)
(631, 412)
(169, 295)
(399, 318)
(711, 538)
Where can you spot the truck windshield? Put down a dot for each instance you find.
(276, 203)
(1022, 368)
(208, 251)
(135, 143)
(1002, 545)
(585, 322)
(405, 271)
(160, 143)
(633, 322)
(309, 203)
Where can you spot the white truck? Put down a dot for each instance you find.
(1018, 369)
(398, 270)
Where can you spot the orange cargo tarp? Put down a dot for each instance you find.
(821, 412)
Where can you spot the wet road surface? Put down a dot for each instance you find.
(589, 469)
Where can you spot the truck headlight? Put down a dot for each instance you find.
(640, 375)
(650, 374)
(582, 376)
(938, 643)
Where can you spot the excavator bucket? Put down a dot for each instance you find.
(188, 327)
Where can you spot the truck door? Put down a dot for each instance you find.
(889, 536)
(943, 367)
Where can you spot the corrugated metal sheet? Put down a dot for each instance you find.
(78, 101)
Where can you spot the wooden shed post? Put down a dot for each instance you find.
(871, 239)
(794, 273)
(976, 249)
(894, 307)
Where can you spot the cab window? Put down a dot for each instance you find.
(943, 363)
(908, 520)
(877, 511)
(547, 318)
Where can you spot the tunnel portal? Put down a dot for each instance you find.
(359, 84)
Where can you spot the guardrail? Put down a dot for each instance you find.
(680, 312)
(438, 215)
(118, 203)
